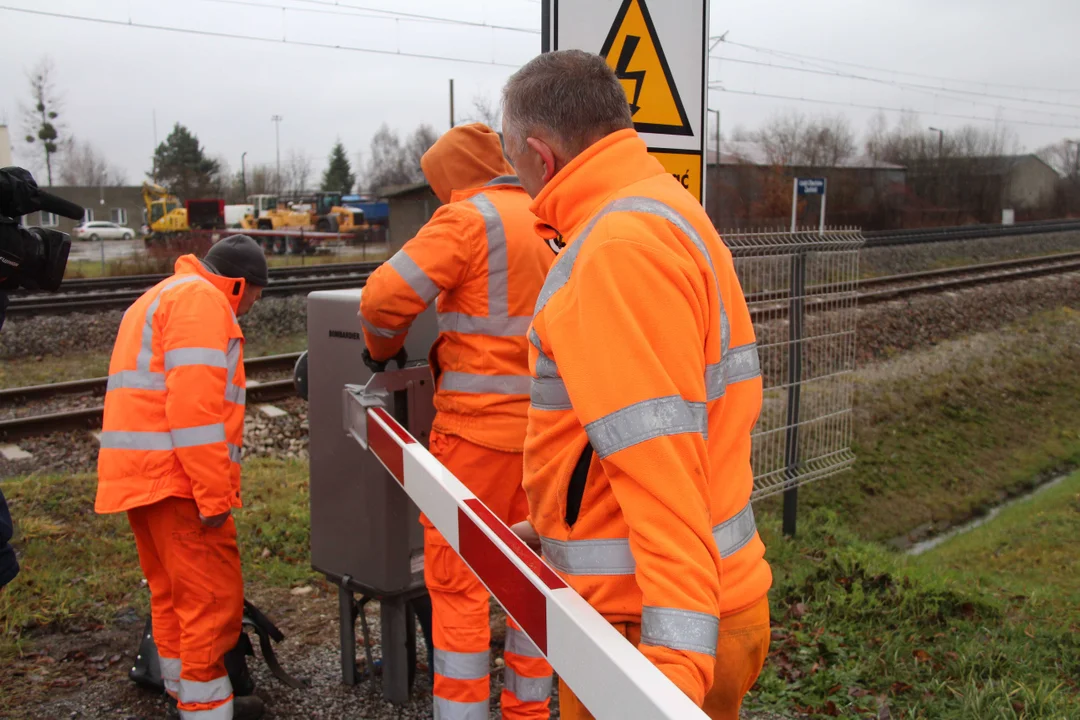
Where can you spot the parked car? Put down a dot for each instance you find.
(100, 230)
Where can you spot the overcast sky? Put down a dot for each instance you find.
(114, 78)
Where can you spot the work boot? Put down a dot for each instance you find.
(249, 707)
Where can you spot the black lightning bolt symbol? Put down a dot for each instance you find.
(620, 70)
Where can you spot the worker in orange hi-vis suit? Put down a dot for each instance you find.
(481, 257)
(170, 458)
(646, 387)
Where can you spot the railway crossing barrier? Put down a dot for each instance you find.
(605, 671)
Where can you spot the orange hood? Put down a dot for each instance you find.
(466, 157)
(231, 288)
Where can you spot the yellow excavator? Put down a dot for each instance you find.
(164, 212)
(167, 217)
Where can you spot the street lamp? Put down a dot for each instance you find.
(276, 119)
(243, 175)
(940, 141)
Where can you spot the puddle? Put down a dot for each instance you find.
(930, 543)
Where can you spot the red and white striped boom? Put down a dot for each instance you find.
(605, 671)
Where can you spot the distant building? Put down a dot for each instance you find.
(121, 205)
(411, 206)
(1028, 182)
(745, 189)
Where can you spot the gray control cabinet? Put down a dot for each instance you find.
(365, 532)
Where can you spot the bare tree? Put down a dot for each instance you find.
(296, 171)
(419, 142)
(82, 166)
(386, 166)
(487, 112)
(42, 121)
(794, 139)
(1063, 156)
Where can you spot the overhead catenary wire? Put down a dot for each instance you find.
(892, 71)
(935, 91)
(775, 96)
(254, 38)
(418, 17)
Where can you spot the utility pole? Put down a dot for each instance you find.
(451, 103)
(243, 175)
(940, 141)
(276, 119)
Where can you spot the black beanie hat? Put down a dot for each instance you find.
(238, 256)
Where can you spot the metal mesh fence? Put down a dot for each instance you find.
(801, 289)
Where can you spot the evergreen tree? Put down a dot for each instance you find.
(181, 165)
(339, 176)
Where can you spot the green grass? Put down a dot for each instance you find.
(940, 444)
(82, 568)
(80, 366)
(22, 372)
(1026, 553)
(854, 630)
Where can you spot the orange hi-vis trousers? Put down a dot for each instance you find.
(741, 650)
(196, 602)
(459, 602)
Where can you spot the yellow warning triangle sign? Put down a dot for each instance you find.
(632, 49)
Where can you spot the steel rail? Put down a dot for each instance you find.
(86, 418)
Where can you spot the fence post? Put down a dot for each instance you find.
(796, 309)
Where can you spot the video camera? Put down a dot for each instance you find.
(34, 258)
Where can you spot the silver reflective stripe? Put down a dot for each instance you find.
(498, 269)
(644, 421)
(234, 453)
(170, 672)
(559, 274)
(233, 392)
(505, 180)
(545, 366)
(378, 331)
(680, 629)
(135, 380)
(527, 689)
(461, 666)
(548, 393)
(194, 691)
(476, 325)
(738, 364)
(494, 384)
(125, 440)
(734, 533)
(416, 278)
(518, 642)
(198, 435)
(194, 356)
(451, 710)
(613, 556)
(589, 557)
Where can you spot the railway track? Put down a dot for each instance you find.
(39, 304)
(762, 308)
(88, 295)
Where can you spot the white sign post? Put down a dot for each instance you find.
(659, 50)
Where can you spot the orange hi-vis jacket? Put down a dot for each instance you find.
(481, 257)
(174, 408)
(647, 385)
